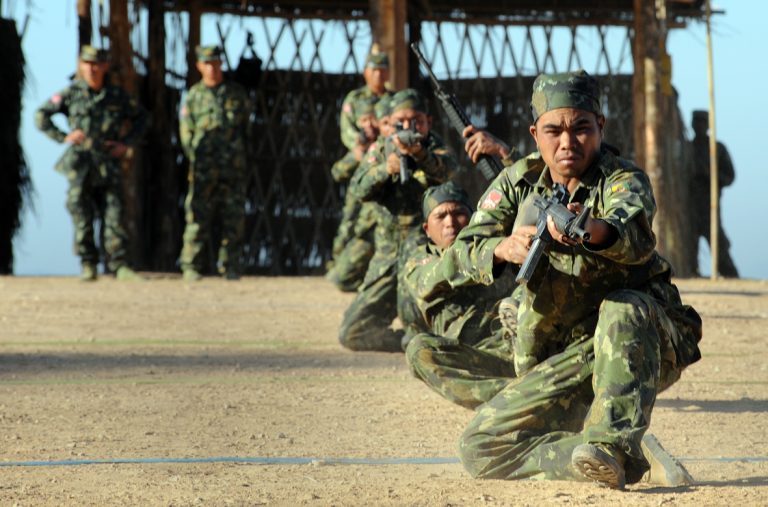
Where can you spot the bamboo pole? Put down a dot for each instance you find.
(714, 184)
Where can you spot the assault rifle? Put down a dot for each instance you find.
(408, 137)
(565, 221)
(488, 165)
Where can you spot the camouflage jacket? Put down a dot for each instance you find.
(215, 121)
(560, 303)
(348, 128)
(107, 115)
(466, 313)
(403, 201)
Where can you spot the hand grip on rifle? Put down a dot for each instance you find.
(489, 166)
(565, 221)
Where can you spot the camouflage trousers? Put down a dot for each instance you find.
(381, 297)
(468, 375)
(600, 389)
(213, 200)
(353, 246)
(96, 193)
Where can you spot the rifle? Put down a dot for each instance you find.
(565, 222)
(488, 165)
(408, 137)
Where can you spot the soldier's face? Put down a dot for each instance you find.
(385, 126)
(445, 222)
(211, 73)
(367, 123)
(421, 121)
(569, 141)
(93, 73)
(375, 79)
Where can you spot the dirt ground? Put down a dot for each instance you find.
(237, 393)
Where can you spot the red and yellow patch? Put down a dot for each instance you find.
(491, 200)
(347, 107)
(620, 187)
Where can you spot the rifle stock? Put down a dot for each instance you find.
(489, 166)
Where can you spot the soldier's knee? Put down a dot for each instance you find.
(627, 305)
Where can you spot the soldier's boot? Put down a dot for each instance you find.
(126, 274)
(508, 317)
(231, 274)
(665, 469)
(88, 272)
(190, 275)
(601, 464)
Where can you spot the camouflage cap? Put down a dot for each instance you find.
(383, 107)
(92, 54)
(437, 195)
(408, 99)
(208, 53)
(364, 107)
(576, 90)
(377, 60)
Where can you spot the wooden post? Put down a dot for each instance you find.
(121, 51)
(195, 13)
(389, 32)
(649, 130)
(638, 83)
(714, 184)
(84, 23)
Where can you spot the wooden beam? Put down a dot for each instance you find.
(193, 40)
(121, 52)
(389, 31)
(649, 38)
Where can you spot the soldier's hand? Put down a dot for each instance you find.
(393, 164)
(358, 151)
(514, 248)
(413, 149)
(480, 142)
(76, 137)
(116, 148)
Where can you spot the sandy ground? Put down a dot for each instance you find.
(201, 394)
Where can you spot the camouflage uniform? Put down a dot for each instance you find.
(700, 192)
(464, 355)
(94, 176)
(353, 244)
(600, 332)
(366, 323)
(214, 131)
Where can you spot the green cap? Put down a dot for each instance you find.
(383, 107)
(437, 195)
(576, 90)
(92, 54)
(409, 99)
(377, 60)
(364, 106)
(208, 53)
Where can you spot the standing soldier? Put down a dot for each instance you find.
(104, 121)
(376, 74)
(214, 130)
(700, 193)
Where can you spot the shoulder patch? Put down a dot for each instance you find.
(491, 200)
(347, 107)
(184, 111)
(620, 187)
(56, 99)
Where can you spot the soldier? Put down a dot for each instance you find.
(214, 129)
(601, 329)
(700, 192)
(366, 323)
(376, 75)
(353, 246)
(464, 344)
(104, 121)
